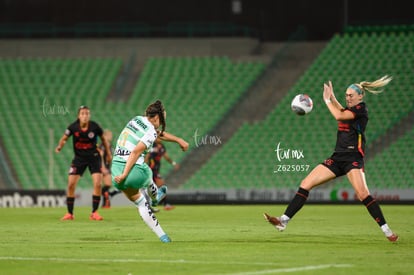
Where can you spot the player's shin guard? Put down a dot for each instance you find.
(374, 210)
(95, 202)
(148, 216)
(70, 202)
(105, 189)
(297, 202)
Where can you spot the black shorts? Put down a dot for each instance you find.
(341, 163)
(78, 165)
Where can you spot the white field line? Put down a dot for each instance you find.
(57, 259)
(293, 269)
(268, 271)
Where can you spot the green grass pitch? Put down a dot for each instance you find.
(207, 239)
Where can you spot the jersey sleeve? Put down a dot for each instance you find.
(149, 137)
(359, 110)
(99, 130)
(69, 131)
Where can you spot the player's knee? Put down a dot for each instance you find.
(97, 184)
(307, 184)
(361, 195)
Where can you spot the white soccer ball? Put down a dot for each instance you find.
(302, 104)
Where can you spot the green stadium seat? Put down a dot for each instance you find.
(26, 84)
(347, 58)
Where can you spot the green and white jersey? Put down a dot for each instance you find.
(137, 129)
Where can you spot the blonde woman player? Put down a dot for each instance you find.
(130, 173)
(348, 157)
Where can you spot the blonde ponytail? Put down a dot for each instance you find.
(373, 86)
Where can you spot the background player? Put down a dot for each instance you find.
(84, 134)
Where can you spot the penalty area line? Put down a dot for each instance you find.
(293, 269)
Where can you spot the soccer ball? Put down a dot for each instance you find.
(302, 104)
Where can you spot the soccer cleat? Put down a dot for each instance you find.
(169, 207)
(161, 194)
(393, 237)
(165, 239)
(275, 221)
(95, 217)
(68, 217)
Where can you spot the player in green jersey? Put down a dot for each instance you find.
(130, 173)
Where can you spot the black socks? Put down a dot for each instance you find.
(69, 204)
(95, 202)
(374, 209)
(297, 202)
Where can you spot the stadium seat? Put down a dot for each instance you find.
(37, 92)
(348, 58)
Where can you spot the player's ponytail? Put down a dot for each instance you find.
(373, 86)
(154, 109)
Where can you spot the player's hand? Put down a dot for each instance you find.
(58, 149)
(332, 91)
(183, 144)
(119, 178)
(327, 91)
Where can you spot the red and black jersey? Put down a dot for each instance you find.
(84, 141)
(350, 136)
(155, 156)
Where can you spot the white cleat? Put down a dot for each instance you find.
(275, 221)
